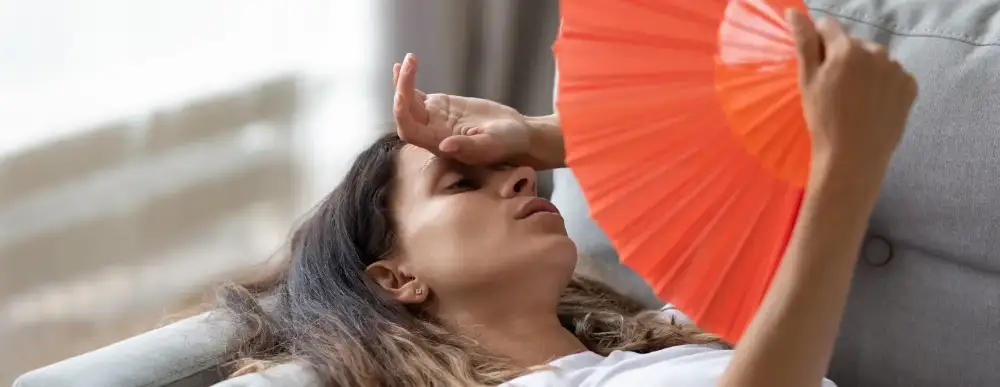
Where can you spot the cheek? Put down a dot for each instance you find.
(465, 244)
(451, 240)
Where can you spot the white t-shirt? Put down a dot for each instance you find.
(680, 366)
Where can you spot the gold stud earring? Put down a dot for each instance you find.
(419, 291)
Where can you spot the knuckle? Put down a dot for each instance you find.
(851, 51)
(844, 46)
(839, 52)
(879, 51)
(897, 68)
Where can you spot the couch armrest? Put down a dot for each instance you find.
(173, 355)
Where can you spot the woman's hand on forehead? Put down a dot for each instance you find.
(472, 131)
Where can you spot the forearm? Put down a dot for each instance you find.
(547, 149)
(791, 339)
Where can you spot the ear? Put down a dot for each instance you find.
(397, 283)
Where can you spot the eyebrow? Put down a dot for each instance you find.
(429, 164)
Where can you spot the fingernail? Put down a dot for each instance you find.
(407, 58)
(449, 147)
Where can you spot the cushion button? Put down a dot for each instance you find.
(877, 251)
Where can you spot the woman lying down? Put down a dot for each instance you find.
(434, 263)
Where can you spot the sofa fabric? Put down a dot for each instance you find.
(925, 306)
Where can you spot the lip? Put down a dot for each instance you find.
(534, 206)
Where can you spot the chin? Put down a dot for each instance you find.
(560, 251)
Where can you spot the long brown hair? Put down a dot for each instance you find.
(319, 308)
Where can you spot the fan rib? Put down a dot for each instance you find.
(760, 99)
(696, 246)
(766, 13)
(763, 130)
(648, 176)
(754, 79)
(709, 17)
(681, 79)
(673, 270)
(679, 204)
(738, 251)
(695, 41)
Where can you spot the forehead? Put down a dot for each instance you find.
(412, 164)
(413, 161)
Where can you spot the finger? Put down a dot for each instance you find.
(835, 39)
(808, 42)
(907, 81)
(401, 102)
(874, 48)
(405, 124)
(912, 86)
(406, 87)
(420, 96)
(479, 149)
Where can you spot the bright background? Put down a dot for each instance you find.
(150, 149)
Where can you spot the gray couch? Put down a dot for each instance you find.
(925, 307)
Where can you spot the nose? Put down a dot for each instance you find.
(520, 181)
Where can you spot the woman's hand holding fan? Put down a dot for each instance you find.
(733, 157)
(856, 101)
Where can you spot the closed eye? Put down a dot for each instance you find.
(462, 184)
(502, 167)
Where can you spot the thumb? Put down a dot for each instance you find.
(808, 43)
(476, 149)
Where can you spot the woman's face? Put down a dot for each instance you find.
(475, 234)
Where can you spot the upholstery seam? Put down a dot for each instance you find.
(893, 28)
(934, 254)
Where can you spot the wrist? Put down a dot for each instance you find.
(851, 180)
(545, 142)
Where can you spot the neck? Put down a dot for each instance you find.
(530, 339)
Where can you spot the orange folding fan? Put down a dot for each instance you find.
(683, 124)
